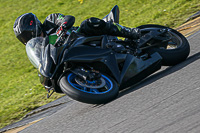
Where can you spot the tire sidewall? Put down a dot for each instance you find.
(170, 56)
(85, 97)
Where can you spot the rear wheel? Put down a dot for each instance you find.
(98, 91)
(175, 50)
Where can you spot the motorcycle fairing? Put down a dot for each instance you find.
(89, 54)
(132, 65)
(80, 52)
(135, 69)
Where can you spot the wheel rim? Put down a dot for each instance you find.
(175, 41)
(92, 90)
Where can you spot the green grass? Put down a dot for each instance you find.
(20, 90)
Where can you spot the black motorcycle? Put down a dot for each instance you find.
(93, 69)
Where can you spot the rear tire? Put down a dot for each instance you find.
(171, 56)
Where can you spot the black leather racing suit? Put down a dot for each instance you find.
(54, 21)
(89, 27)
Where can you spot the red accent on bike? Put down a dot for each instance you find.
(31, 23)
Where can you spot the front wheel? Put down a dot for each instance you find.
(94, 92)
(175, 50)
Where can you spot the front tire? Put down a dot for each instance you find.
(170, 56)
(70, 87)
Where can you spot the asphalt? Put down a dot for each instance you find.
(38, 114)
(166, 101)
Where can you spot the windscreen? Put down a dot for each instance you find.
(33, 50)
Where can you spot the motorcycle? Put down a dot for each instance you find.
(93, 69)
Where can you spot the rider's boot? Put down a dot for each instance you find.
(95, 26)
(118, 30)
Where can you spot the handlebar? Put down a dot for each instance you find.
(60, 39)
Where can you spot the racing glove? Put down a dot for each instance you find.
(62, 29)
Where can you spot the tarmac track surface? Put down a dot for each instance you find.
(167, 101)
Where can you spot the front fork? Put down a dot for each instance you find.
(88, 74)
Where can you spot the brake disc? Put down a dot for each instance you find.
(96, 84)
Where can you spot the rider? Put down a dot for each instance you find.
(27, 26)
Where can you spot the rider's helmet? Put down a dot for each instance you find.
(26, 27)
